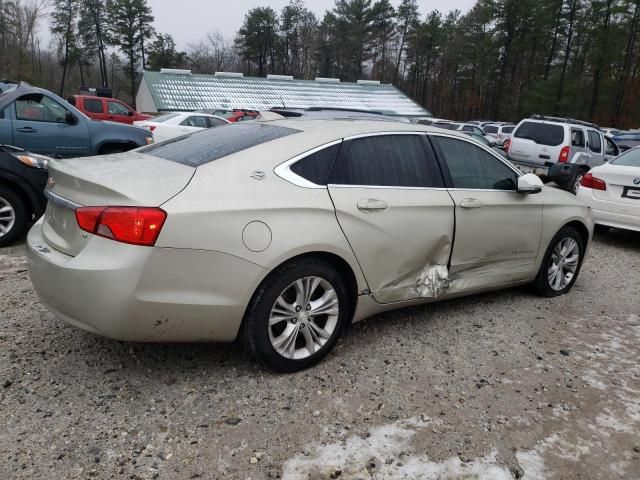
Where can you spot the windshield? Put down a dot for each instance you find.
(541, 133)
(164, 118)
(212, 144)
(631, 158)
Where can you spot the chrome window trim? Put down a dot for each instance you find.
(380, 134)
(283, 170)
(381, 187)
(61, 201)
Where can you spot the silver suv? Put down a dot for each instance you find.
(561, 150)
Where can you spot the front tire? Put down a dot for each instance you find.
(14, 216)
(296, 315)
(561, 264)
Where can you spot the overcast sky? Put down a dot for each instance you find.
(190, 20)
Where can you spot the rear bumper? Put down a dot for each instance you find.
(608, 213)
(146, 294)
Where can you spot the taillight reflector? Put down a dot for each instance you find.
(564, 155)
(507, 144)
(595, 183)
(133, 225)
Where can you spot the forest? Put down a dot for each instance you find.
(501, 60)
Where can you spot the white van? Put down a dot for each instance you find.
(561, 150)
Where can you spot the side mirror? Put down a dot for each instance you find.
(70, 119)
(529, 183)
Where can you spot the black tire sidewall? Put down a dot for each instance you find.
(21, 212)
(256, 331)
(542, 280)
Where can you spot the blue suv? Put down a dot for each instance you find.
(41, 122)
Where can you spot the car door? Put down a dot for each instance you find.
(398, 218)
(579, 152)
(595, 144)
(117, 112)
(41, 125)
(497, 229)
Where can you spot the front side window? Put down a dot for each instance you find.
(315, 167)
(93, 106)
(39, 108)
(595, 145)
(116, 108)
(384, 161)
(471, 167)
(541, 133)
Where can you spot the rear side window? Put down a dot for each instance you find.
(577, 138)
(164, 118)
(507, 129)
(541, 133)
(631, 158)
(315, 167)
(93, 106)
(385, 161)
(209, 145)
(491, 129)
(215, 122)
(471, 167)
(595, 145)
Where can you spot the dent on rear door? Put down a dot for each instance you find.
(404, 249)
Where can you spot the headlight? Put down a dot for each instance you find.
(33, 160)
(149, 140)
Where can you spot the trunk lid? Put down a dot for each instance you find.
(129, 179)
(621, 186)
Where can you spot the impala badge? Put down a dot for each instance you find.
(257, 175)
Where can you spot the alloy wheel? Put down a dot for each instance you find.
(303, 317)
(7, 217)
(563, 264)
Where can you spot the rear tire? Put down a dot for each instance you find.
(14, 216)
(561, 263)
(287, 332)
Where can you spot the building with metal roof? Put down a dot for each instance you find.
(180, 90)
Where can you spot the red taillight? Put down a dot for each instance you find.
(564, 155)
(507, 145)
(134, 225)
(595, 183)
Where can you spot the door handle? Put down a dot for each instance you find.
(371, 205)
(27, 130)
(471, 203)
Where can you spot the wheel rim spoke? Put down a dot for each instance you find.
(7, 217)
(564, 263)
(303, 317)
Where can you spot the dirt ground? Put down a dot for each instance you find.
(496, 386)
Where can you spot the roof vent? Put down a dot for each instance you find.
(175, 71)
(327, 80)
(229, 74)
(279, 77)
(368, 82)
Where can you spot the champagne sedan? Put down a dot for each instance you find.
(281, 233)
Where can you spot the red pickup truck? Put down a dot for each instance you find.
(99, 108)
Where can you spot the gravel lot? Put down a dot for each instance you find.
(496, 386)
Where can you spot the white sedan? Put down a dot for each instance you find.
(612, 191)
(174, 124)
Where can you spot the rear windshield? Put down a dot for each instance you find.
(507, 129)
(491, 129)
(164, 118)
(631, 158)
(541, 133)
(209, 145)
